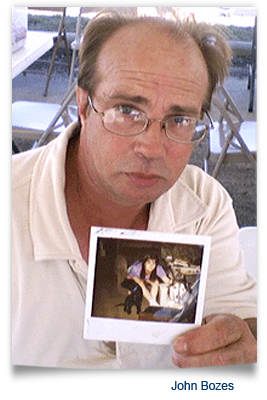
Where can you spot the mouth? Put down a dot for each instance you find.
(142, 180)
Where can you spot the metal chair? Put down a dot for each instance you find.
(61, 37)
(252, 68)
(232, 140)
(76, 44)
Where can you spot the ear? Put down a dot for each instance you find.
(82, 102)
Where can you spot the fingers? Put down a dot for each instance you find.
(219, 332)
(186, 361)
(224, 340)
(231, 355)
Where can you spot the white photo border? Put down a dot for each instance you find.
(124, 330)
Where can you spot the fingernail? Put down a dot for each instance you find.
(180, 346)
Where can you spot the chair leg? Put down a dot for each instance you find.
(65, 103)
(51, 66)
(223, 153)
(206, 165)
(249, 77)
(220, 160)
(60, 36)
(73, 59)
(67, 50)
(252, 91)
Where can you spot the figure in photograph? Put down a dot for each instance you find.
(148, 273)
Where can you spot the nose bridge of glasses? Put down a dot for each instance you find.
(161, 122)
(153, 135)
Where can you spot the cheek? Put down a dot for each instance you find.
(177, 158)
(105, 146)
(112, 150)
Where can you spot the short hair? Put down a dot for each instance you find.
(214, 48)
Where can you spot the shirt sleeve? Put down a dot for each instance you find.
(135, 269)
(160, 271)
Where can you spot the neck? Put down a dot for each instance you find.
(87, 206)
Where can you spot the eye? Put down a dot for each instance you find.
(130, 111)
(182, 121)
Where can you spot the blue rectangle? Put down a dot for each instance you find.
(201, 385)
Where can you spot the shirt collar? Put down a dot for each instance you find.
(179, 208)
(51, 232)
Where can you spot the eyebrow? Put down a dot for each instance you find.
(174, 109)
(135, 99)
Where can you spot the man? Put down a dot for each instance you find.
(142, 86)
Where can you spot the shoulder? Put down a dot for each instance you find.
(204, 186)
(200, 201)
(198, 180)
(52, 154)
(135, 267)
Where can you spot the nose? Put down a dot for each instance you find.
(152, 142)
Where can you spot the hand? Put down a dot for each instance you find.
(224, 340)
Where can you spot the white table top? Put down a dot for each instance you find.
(37, 43)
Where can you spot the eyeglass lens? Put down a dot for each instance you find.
(176, 128)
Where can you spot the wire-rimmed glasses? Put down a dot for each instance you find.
(126, 120)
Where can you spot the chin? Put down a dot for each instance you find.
(142, 197)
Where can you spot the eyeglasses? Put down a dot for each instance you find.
(126, 120)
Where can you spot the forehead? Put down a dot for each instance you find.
(145, 57)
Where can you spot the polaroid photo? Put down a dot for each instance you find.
(144, 287)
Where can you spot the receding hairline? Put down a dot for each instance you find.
(210, 41)
(184, 41)
(162, 26)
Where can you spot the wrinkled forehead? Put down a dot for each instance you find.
(149, 37)
(152, 48)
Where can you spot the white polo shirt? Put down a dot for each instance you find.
(49, 273)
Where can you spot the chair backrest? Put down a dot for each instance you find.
(230, 122)
(227, 109)
(248, 241)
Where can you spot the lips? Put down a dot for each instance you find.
(143, 180)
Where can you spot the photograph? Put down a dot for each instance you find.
(144, 279)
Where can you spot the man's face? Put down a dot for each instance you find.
(147, 70)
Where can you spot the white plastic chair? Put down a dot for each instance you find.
(39, 121)
(32, 118)
(42, 121)
(248, 241)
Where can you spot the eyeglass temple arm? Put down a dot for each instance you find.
(210, 119)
